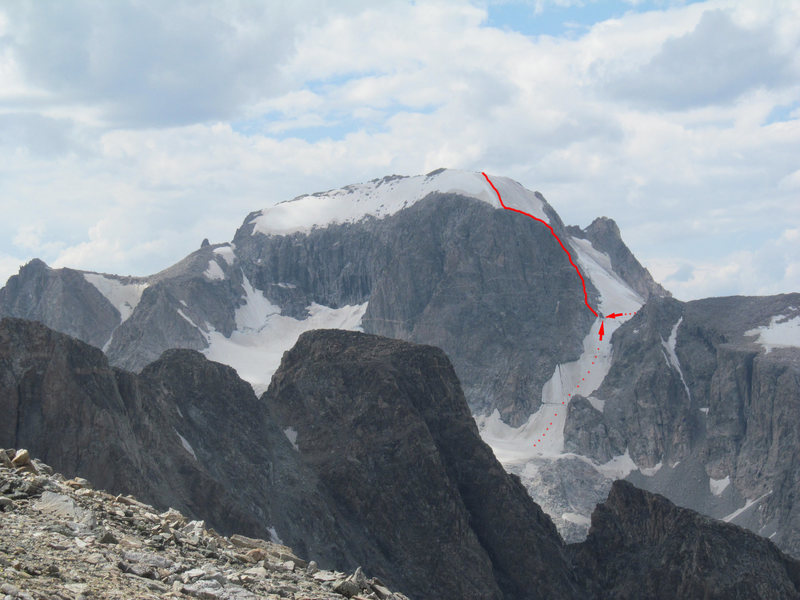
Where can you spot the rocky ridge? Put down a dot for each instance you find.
(417, 498)
(60, 539)
(704, 412)
(385, 426)
(691, 408)
(450, 269)
(641, 545)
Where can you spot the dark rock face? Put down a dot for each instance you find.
(379, 464)
(491, 288)
(727, 409)
(123, 432)
(641, 545)
(605, 236)
(177, 310)
(448, 271)
(61, 299)
(646, 408)
(385, 426)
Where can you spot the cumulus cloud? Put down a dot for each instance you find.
(145, 64)
(715, 64)
(138, 132)
(773, 268)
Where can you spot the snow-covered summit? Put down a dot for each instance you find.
(383, 197)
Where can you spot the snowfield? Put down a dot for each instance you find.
(262, 335)
(383, 197)
(782, 332)
(124, 296)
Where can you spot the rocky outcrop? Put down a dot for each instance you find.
(186, 433)
(178, 309)
(491, 288)
(449, 271)
(641, 545)
(385, 426)
(362, 452)
(693, 398)
(70, 540)
(61, 299)
(605, 236)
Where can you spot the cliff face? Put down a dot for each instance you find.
(641, 545)
(691, 396)
(385, 426)
(605, 236)
(449, 271)
(362, 452)
(61, 299)
(186, 433)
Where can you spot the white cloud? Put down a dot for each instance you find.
(713, 64)
(130, 161)
(773, 268)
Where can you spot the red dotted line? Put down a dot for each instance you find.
(577, 387)
(570, 396)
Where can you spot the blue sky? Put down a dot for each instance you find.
(131, 130)
(567, 19)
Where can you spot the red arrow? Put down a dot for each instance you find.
(614, 315)
(602, 331)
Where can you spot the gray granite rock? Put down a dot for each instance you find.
(385, 426)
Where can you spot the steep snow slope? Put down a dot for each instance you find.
(538, 445)
(124, 296)
(382, 197)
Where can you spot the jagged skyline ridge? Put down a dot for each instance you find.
(677, 120)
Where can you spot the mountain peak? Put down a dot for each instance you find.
(605, 236)
(34, 265)
(386, 196)
(603, 226)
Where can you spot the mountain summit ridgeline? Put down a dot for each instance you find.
(693, 400)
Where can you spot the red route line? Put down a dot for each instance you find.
(546, 224)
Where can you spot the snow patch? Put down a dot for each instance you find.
(384, 197)
(226, 252)
(545, 427)
(618, 467)
(672, 358)
(273, 536)
(187, 319)
(782, 332)
(615, 295)
(123, 296)
(597, 403)
(576, 518)
(186, 445)
(650, 471)
(256, 310)
(718, 486)
(747, 505)
(291, 435)
(214, 271)
(256, 347)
